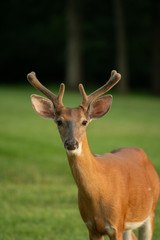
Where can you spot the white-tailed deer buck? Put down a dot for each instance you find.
(118, 191)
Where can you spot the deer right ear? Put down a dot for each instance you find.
(43, 106)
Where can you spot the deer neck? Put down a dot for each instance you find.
(82, 164)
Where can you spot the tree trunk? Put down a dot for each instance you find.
(121, 43)
(156, 47)
(73, 61)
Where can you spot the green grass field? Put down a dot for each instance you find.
(38, 197)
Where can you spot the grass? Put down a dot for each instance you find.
(38, 197)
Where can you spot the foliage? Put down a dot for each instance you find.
(38, 197)
(33, 37)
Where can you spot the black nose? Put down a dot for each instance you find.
(71, 144)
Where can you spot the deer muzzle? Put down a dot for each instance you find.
(71, 144)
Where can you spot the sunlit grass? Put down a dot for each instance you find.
(38, 197)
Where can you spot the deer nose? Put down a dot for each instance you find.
(71, 144)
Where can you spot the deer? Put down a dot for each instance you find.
(117, 191)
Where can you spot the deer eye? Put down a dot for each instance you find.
(84, 123)
(59, 122)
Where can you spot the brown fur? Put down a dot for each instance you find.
(114, 188)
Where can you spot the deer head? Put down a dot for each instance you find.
(72, 122)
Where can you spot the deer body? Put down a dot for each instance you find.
(117, 191)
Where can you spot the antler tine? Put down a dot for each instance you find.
(57, 100)
(35, 82)
(83, 93)
(114, 79)
(61, 93)
(86, 100)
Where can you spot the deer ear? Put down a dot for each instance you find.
(100, 107)
(43, 106)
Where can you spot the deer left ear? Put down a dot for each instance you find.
(100, 107)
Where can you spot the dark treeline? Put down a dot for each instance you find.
(76, 40)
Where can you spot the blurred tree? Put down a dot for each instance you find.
(121, 42)
(33, 37)
(74, 40)
(156, 46)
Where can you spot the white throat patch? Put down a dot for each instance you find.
(77, 151)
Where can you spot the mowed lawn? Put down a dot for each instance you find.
(38, 197)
